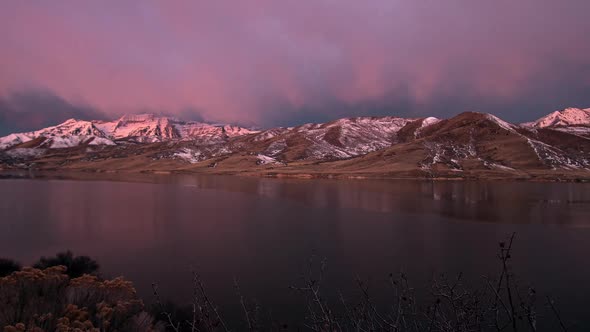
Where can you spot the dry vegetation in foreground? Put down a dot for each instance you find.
(49, 299)
(65, 294)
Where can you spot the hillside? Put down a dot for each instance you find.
(469, 145)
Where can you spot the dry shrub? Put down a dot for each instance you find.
(48, 300)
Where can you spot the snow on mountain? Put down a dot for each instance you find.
(548, 149)
(575, 121)
(426, 122)
(429, 121)
(166, 128)
(14, 139)
(25, 153)
(189, 155)
(340, 139)
(354, 136)
(265, 160)
(503, 124)
(68, 134)
(146, 128)
(467, 143)
(141, 125)
(579, 131)
(569, 117)
(270, 133)
(194, 154)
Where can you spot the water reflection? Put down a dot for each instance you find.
(504, 202)
(500, 202)
(262, 230)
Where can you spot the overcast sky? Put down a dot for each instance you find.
(269, 62)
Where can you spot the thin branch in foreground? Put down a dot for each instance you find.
(556, 312)
(163, 309)
(207, 301)
(243, 304)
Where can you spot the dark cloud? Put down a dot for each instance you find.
(33, 109)
(559, 86)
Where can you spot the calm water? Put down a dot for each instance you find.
(262, 231)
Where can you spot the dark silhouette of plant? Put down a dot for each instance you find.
(76, 266)
(204, 315)
(178, 313)
(450, 305)
(48, 300)
(7, 266)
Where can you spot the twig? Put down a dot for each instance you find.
(246, 313)
(554, 309)
(208, 302)
(164, 312)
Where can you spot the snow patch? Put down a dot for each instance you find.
(448, 154)
(429, 121)
(189, 155)
(425, 123)
(101, 141)
(25, 153)
(490, 164)
(265, 160)
(275, 148)
(556, 158)
(503, 124)
(580, 131)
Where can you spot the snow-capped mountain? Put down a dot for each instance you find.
(70, 133)
(469, 145)
(157, 128)
(340, 139)
(147, 128)
(571, 120)
(351, 137)
(564, 118)
(491, 142)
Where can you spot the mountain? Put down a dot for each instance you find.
(145, 128)
(476, 145)
(68, 134)
(567, 117)
(469, 145)
(340, 139)
(572, 120)
(154, 128)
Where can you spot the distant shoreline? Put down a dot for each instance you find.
(150, 176)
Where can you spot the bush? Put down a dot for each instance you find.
(76, 265)
(49, 300)
(7, 266)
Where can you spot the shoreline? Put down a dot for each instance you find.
(149, 175)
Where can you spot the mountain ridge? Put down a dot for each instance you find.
(469, 145)
(145, 128)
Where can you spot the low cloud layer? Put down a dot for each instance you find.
(33, 109)
(266, 62)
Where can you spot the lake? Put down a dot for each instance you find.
(263, 231)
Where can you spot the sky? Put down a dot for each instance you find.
(274, 63)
